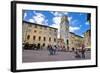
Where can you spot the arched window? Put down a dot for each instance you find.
(54, 39)
(43, 44)
(34, 37)
(67, 42)
(50, 39)
(44, 39)
(39, 38)
(35, 31)
(28, 37)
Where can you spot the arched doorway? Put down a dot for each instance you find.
(38, 46)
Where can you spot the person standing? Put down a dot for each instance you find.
(77, 55)
(50, 49)
(83, 51)
(54, 49)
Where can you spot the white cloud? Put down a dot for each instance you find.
(59, 13)
(69, 19)
(39, 18)
(56, 24)
(82, 35)
(58, 27)
(80, 25)
(66, 13)
(56, 13)
(46, 22)
(73, 29)
(31, 20)
(25, 14)
(57, 20)
(81, 14)
(87, 22)
(34, 12)
(74, 22)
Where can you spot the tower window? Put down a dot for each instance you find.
(67, 42)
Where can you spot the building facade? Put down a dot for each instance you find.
(75, 41)
(87, 39)
(40, 35)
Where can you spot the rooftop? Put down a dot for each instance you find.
(76, 34)
(39, 25)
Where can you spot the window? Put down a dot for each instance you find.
(44, 39)
(49, 39)
(43, 44)
(54, 39)
(35, 31)
(28, 37)
(39, 38)
(34, 37)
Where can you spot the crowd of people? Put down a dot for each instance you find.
(53, 49)
(82, 51)
(78, 53)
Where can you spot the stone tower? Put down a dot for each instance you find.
(64, 30)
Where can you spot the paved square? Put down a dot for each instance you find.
(43, 56)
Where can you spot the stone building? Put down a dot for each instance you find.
(75, 41)
(40, 35)
(64, 30)
(87, 39)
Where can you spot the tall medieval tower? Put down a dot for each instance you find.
(64, 30)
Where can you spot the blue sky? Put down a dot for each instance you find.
(77, 21)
